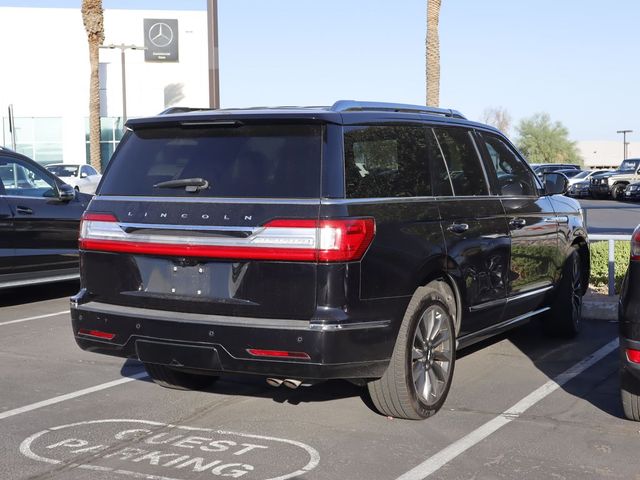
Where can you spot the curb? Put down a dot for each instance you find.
(597, 306)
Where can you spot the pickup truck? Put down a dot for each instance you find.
(614, 183)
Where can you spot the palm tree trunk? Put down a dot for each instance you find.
(94, 108)
(93, 19)
(433, 53)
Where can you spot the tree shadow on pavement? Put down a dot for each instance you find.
(597, 385)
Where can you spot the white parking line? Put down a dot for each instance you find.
(69, 396)
(38, 317)
(447, 454)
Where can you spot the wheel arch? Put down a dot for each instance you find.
(436, 273)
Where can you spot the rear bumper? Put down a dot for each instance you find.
(219, 343)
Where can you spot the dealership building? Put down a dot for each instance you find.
(45, 50)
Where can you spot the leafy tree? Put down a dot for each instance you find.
(93, 19)
(544, 141)
(432, 44)
(497, 117)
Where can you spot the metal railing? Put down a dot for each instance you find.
(612, 265)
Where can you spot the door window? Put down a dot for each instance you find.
(21, 179)
(514, 178)
(463, 167)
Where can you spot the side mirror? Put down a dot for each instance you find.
(555, 184)
(83, 175)
(66, 193)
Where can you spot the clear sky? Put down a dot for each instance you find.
(574, 59)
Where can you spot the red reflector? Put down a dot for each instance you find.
(277, 353)
(633, 355)
(96, 334)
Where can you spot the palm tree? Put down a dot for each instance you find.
(433, 53)
(92, 17)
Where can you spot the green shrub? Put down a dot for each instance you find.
(600, 263)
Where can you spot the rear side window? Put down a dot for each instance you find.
(386, 161)
(268, 161)
(463, 165)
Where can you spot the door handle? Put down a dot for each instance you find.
(517, 223)
(24, 210)
(458, 227)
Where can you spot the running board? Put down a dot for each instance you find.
(485, 333)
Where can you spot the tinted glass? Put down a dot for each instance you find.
(21, 179)
(464, 168)
(63, 170)
(386, 161)
(247, 161)
(514, 177)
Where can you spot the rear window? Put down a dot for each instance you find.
(274, 161)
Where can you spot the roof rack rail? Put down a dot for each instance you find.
(355, 106)
(171, 110)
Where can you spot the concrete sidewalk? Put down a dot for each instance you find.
(598, 306)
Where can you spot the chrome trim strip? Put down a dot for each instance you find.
(260, 201)
(557, 219)
(515, 298)
(489, 304)
(36, 281)
(468, 339)
(333, 327)
(530, 293)
(155, 226)
(384, 200)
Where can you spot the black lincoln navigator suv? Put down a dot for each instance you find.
(362, 241)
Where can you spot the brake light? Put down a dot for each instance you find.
(633, 355)
(293, 240)
(97, 334)
(278, 353)
(635, 244)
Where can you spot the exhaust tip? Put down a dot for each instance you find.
(274, 382)
(292, 383)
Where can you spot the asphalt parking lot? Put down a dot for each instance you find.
(521, 406)
(611, 216)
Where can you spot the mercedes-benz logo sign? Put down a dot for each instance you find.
(160, 34)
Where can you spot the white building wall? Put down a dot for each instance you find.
(46, 51)
(606, 153)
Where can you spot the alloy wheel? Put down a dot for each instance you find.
(431, 355)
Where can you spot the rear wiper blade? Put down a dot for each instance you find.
(189, 184)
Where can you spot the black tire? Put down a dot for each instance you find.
(168, 377)
(564, 318)
(398, 393)
(617, 192)
(630, 395)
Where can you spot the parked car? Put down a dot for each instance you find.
(83, 178)
(629, 321)
(541, 168)
(362, 241)
(582, 189)
(569, 172)
(585, 176)
(39, 221)
(615, 183)
(632, 191)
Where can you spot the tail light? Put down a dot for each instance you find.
(334, 240)
(635, 244)
(633, 355)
